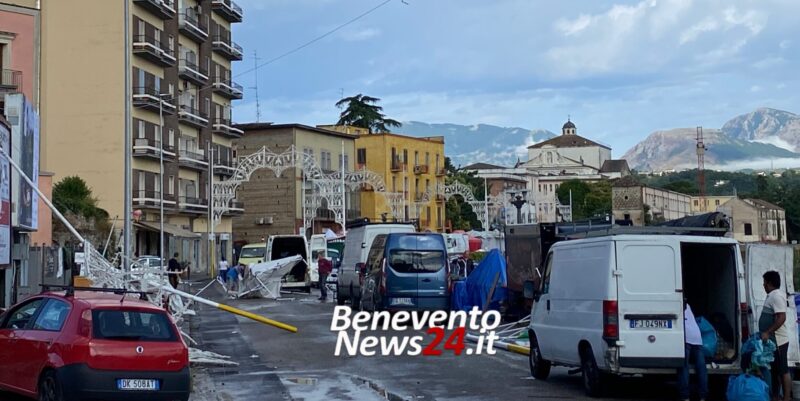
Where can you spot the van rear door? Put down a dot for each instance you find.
(762, 258)
(650, 304)
(432, 277)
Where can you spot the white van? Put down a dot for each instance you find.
(613, 305)
(284, 246)
(356, 246)
(317, 245)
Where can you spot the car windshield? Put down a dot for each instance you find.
(412, 261)
(258, 252)
(131, 325)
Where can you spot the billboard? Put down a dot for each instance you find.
(24, 122)
(5, 198)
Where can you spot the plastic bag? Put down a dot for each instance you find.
(746, 387)
(709, 337)
(761, 353)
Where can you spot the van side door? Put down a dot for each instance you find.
(762, 258)
(650, 304)
(541, 319)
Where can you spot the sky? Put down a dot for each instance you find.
(620, 69)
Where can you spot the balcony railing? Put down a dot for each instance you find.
(228, 10)
(223, 126)
(165, 9)
(226, 47)
(193, 159)
(192, 27)
(11, 80)
(148, 97)
(151, 148)
(189, 115)
(192, 203)
(421, 169)
(153, 50)
(440, 172)
(397, 165)
(236, 207)
(190, 71)
(228, 88)
(152, 198)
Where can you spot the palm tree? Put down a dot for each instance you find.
(363, 111)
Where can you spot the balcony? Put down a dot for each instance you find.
(10, 80)
(193, 159)
(164, 9)
(236, 207)
(190, 71)
(149, 48)
(224, 46)
(224, 168)
(151, 148)
(421, 169)
(441, 172)
(227, 88)
(147, 97)
(190, 25)
(228, 10)
(440, 198)
(191, 116)
(192, 204)
(397, 166)
(150, 199)
(223, 126)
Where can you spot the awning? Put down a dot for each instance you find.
(170, 229)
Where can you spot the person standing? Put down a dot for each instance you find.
(693, 355)
(772, 325)
(223, 269)
(324, 267)
(174, 269)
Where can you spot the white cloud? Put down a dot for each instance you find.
(769, 62)
(755, 88)
(569, 28)
(775, 141)
(780, 85)
(756, 164)
(360, 34)
(709, 24)
(785, 44)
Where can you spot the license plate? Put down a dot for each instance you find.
(651, 324)
(137, 384)
(402, 301)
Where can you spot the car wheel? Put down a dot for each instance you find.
(540, 369)
(339, 297)
(49, 387)
(592, 378)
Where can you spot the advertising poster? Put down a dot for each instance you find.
(5, 198)
(24, 123)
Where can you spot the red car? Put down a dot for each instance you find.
(88, 345)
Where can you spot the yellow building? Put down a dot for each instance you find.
(709, 204)
(409, 165)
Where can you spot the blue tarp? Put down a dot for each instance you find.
(475, 289)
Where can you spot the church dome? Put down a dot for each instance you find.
(568, 124)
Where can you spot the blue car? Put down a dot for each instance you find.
(406, 271)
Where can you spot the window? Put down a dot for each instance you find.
(20, 317)
(171, 185)
(716, 202)
(427, 158)
(696, 203)
(141, 129)
(548, 267)
(140, 27)
(416, 158)
(394, 184)
(52, 316)
(157, 178)
(131, 325)
(361, 156)
(171, 138)
(343, 162)
(627, 216)
(748, 229)
(141, 183)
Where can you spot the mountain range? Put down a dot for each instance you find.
(761, 139)
(467, 144)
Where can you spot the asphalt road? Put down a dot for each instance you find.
(278, 365)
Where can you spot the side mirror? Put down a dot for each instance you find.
(529, 290)
(361, 268)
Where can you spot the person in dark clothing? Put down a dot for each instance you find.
(174, 268)
(324, 267)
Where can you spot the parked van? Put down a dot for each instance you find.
(284, 246)
(613, 305)
(253, 253)
(357, 244)
(406, 271)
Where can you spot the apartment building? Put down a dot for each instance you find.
(181, 93)
(275, 203)
(642, 205)
(755, 220)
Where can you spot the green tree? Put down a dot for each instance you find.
(363, 111)
(72, 194)
(683, 186)
(588, 200)
(457, 211)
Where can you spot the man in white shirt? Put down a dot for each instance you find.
(694, 354)
(772, 325)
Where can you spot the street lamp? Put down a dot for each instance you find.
(162, 97)
(518, 200)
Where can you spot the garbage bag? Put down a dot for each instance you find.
(747, 387)
(761, 353)
(709, 337)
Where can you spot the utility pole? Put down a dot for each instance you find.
(210, 225)
(486, 201)
(127, 192)
(161, 177)
(344, 195)
(258, 104)
(701, 175)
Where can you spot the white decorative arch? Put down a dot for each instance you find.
(479, 207)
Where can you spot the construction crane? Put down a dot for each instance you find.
(701, 164)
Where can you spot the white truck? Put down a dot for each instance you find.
(613, 305)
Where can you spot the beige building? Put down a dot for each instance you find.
(708, 204)
(635, 202)
(274, 204)
(181, 54)
(755, 220)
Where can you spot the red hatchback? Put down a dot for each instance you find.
(61, 346)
